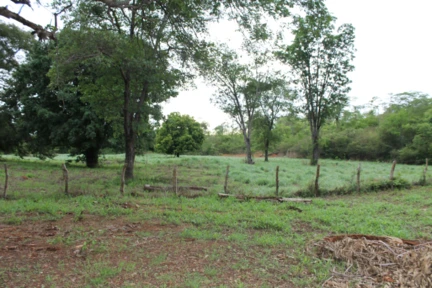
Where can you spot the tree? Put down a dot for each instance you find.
(12, 41)
(134, 43)
(320, 60)
(46, 119)
(238, 92)
(271, 104)
(179, 134)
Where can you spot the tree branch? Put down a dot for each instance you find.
(25, 2)
(124, 4)
(37, 29)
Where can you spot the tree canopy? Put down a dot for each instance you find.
(320, 59)
(45, 119)
(179, 134)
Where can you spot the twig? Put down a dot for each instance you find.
(387, 264)
(388, 247)
(331, 277)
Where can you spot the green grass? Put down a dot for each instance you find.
(237, 237)
(295, 175)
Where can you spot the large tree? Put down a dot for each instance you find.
(320, 59)
(45, 119)
(135, 44)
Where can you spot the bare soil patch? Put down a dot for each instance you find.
(96, 251)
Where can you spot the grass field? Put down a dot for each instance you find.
(98, 238)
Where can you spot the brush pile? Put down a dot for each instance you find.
(378, 261)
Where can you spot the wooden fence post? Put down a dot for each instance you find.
(123, 181)
(6, 181)
(66, 178)
(392, 171)
(226, 180)
(317, 192)
(277, 181)
(358, 177)
(425, 172)
(175, 187)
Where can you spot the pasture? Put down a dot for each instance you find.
(97, 238)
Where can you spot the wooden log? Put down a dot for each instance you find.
(299, 200)
(156, 188)
(358, 177)
(226, 180)
(392, 170)
(66, 178)
(6, 181)
(277, 181)
(123, 181)
(166, 188)
(279, 199)
(317, 192)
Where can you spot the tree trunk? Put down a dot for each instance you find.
(130, 156)
(92, 157)
(249, 159)
(128, 129)
(315, 148)
(266, 148)
(178, 155)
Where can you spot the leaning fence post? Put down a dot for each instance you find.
(392, 171)
(123, 181)
(6, 181)
(317, 192)
(277, 181)
(66, 178)
(226, 180)
(175, 188)
(358, 177)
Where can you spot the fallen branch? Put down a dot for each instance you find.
(244, 197)
(165, 188)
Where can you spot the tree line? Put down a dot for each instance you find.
(99, 81)
(398, 130)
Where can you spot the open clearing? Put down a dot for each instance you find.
(98, 238)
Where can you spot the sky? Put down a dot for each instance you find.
(393, 53)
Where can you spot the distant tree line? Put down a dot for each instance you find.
(399, 130)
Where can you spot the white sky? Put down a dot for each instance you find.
(393, 43)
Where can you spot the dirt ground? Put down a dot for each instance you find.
(99, 252)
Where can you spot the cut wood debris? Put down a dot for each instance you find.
(280, 199)
(169, 188)
(375, 261)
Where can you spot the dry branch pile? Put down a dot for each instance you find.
(378, 261)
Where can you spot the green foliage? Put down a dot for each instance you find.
(320, 59)
(12, 40)
(179, 134)
(46, 119)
